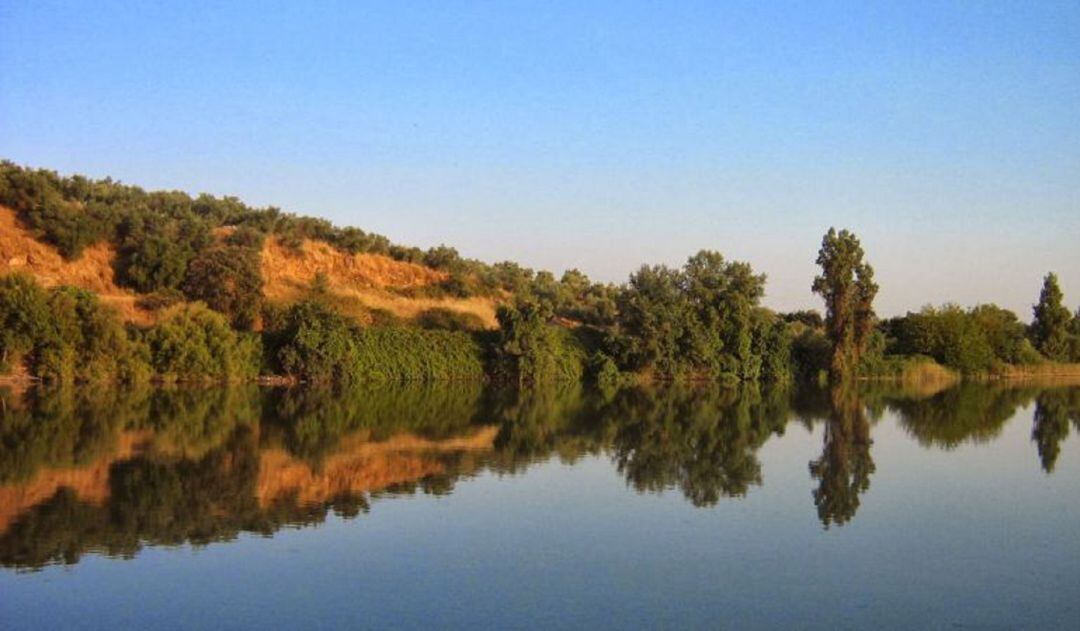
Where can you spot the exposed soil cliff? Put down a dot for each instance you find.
(360, 282)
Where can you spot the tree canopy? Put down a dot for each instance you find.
(847, 284)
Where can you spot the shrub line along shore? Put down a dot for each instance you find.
(194, 267)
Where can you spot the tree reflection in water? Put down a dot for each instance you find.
(111, 471)
(844, 468)
(1053, 411)
(701, 441)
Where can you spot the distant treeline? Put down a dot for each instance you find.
(703, 321)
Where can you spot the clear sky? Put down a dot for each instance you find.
(597, 135)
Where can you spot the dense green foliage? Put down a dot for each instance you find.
(64, 334)
(316, 344)
(193, 343)
(228, 279)
(847, 285)
(24, 318)
(532, 350)
(402, 354)
(969, 341)
(702, 321)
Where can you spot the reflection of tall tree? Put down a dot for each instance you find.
(844, 468)
(703, 441)
(1053, 410)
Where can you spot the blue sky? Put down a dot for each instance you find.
(597, 135)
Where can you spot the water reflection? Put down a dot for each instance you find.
(843, 470)
(112, 471)
(966, 413)
(702, 442)
(1053, 411)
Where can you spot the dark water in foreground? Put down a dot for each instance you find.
(460, 507)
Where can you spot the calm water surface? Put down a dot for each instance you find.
(464, 507)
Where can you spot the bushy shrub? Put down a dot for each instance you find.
(810, 353)
(246, 237)
(1004, 333)
(91, 344)
(193, 343)
(449, 320)
(969, 341)
(531, 350)
(64, 334)
(161, 299)
(772, 344)
(698, 321)
(314, 344)
(155, 251)
(24, 318)
(228, 279)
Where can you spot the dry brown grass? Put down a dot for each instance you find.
(929, 373)
(358, 283)
(90, 482)
(20, 251)
(362, 465)
(1046, 372)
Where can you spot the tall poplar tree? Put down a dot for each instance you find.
(847, 285)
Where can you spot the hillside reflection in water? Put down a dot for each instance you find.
(113, 471)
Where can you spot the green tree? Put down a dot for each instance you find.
(228, 279)
(653, 319)
(1004, 332)
(847, 285)
(1050, 329)
(1074, 338)
(723, 296)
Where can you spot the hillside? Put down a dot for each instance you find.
(20, 251)
(358, 283)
